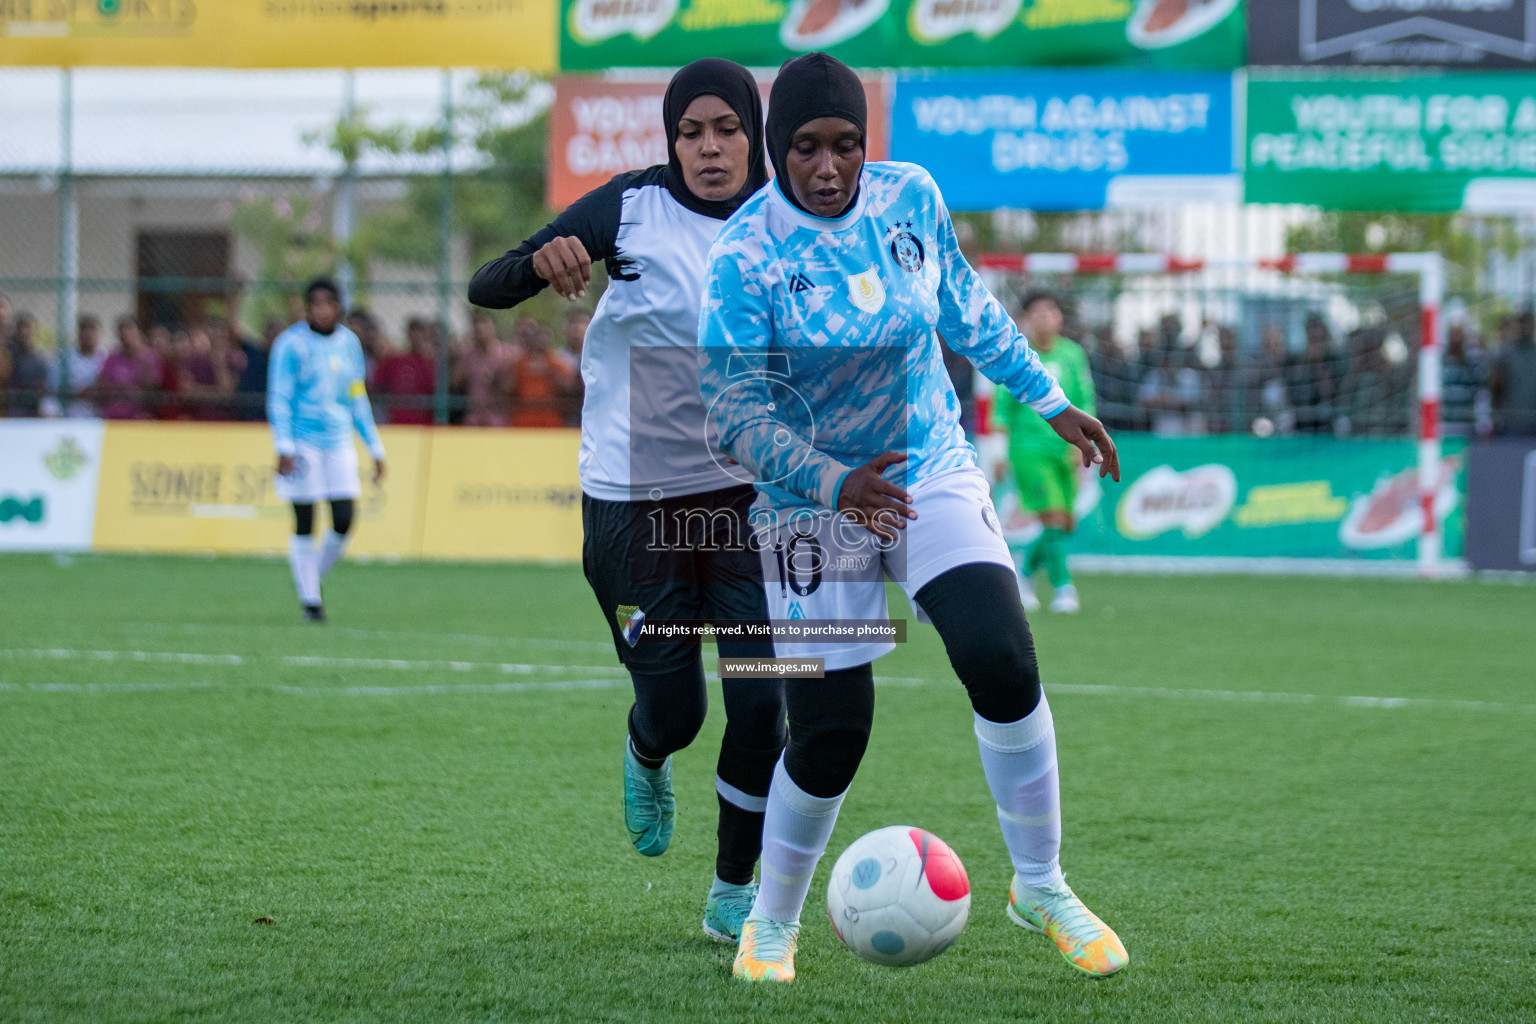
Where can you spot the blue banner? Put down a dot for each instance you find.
(1069, 140)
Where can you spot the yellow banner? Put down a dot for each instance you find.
(506, 34)
(192, 487)
(503, 495)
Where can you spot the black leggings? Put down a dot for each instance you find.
(341, 517)
(668, 712)
(977, 612)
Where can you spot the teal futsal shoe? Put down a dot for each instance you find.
(727, 908)
(649, 808)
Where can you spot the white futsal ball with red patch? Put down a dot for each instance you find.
(898, 896)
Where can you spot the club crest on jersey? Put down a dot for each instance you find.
(906, 248)
(866, 290)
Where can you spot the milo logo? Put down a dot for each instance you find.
(29, 510)
(593, 21)
(1195, 501)
(934, 21)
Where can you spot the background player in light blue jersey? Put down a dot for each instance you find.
(820, 361)
(315, 397)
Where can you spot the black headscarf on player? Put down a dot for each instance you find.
(734, 84)
(815, 85)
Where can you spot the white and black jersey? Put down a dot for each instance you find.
(642, 421)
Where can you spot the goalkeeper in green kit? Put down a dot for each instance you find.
(1045, 466)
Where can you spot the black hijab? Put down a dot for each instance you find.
(815, 85)
(734, 84)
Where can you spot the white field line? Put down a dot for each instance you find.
(406, 665)
(1263, 696)
(174, 657)
(431, 689)
(102, 687)
(197, 629)
(616, 676)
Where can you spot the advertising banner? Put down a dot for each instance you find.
(599, 34)
(1501, 505)
(1071, 33)
(48, 477)
(599, 128)
(1069, 140)
(279, 33)
(498, 495)
(1414, 144)
(185, 487)
(1244, 497)
(1412, 33)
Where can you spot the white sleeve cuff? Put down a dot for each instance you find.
(832, 478)
(284, 447)
(1053, 404)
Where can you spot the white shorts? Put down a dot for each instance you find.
(824, 566)
(319, 474)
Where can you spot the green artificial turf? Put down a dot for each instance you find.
(435, 837)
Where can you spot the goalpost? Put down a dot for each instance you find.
(1261, 280)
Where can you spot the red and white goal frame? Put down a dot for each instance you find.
(1427, 267)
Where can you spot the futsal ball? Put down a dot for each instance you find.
(898, 896)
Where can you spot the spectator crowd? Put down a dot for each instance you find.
(1175, 382)
(1172, 382)
(216, 371)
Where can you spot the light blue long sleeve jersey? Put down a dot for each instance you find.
(315, 392)
(820, 339)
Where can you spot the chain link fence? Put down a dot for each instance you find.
(175, 216)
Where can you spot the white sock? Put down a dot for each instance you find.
(331, 551)
(796, 829)
(303, 560)
(1019, 759)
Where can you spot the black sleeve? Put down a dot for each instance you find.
(593, 220)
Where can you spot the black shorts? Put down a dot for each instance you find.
(678, 558)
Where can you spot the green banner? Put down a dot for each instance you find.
(1071, 33)
(1425, 144)
(1238, 496)
(600, 34)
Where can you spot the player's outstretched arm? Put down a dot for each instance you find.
(1076, 427)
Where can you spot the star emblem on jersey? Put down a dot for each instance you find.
(906, 248)
(798, 282)
(866, 290)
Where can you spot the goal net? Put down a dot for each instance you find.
(1273, 415)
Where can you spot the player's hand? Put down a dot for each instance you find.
(874, 502)
(284, 465)
(564, 263)
(378, 471)
(1078, 428)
